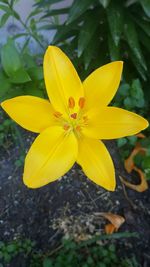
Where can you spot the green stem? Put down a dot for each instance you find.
(26, 28)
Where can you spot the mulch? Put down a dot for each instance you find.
(44, 214)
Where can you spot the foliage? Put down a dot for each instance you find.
(10, 250)
(68, 253)
(20, 73)
(104, 30)
(131, 97)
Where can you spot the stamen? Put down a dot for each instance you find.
(57, 114)
(74, 115)
(78, 128)
(85, 118)
(81, 102)
(66, 127)
(71, 102)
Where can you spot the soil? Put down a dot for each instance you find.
(65, 206)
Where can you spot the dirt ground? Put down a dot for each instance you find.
(68, 204)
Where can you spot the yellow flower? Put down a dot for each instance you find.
(74, 120)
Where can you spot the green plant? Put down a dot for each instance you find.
(104, 30)
(10, 250)
(69, 253)
(20, 73)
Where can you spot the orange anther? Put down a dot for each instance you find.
(78, 128)
(74, 115)
(71, 102)
(57, 114)
(81, 102)
(66, 127)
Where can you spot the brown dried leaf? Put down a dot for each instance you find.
(129, 162)
(140, 187)
(110, 228)
(115, 219)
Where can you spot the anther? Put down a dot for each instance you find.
(73, 116)
(78, 128)
(66, 127)
(57, 114)
(71, 102)
(81, 102)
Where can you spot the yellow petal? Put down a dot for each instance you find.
(62, 80)
(101, 86)
(96, 162)
(111, 122)
(51, 155)
(32, 113)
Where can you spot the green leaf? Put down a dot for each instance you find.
(20, 76)
(146, 6)
(144, 25)
(145, 40)
(137, 65)
(47, 263)
(10, 58)
(55, 12)
(36, 73)
(64, 32)
(146, 163)
(104, 3)
(87, 31)
(78, 8)
(121, 142)
(5, 8)
(128, 103)
(91, 50)
(5, 85)
(124, 89)
(11, 248)
(133, 42)
(4, 19)
(114, 50)
(115, 17)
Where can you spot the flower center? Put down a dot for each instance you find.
(76, 120)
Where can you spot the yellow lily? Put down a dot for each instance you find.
(74, 120)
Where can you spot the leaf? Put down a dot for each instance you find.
(144, 25)
(20, 76)
(87, 31)
(114, 50)
(4, 19)
(10, 58)
(43, 3)
(115, 17)
(140, 187)
(137, 65)
(91, 50)
(145, 40)
(104, 3)
(110, 229)
(133, 42)
(78, 8)
(36, 73)
(5, 8)
(129, 166)
(47, 263)
(115, 219)
(146, 6)
(64, 32)
(129, 162)
(5, 85)
(55, 12)
(33, 13)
